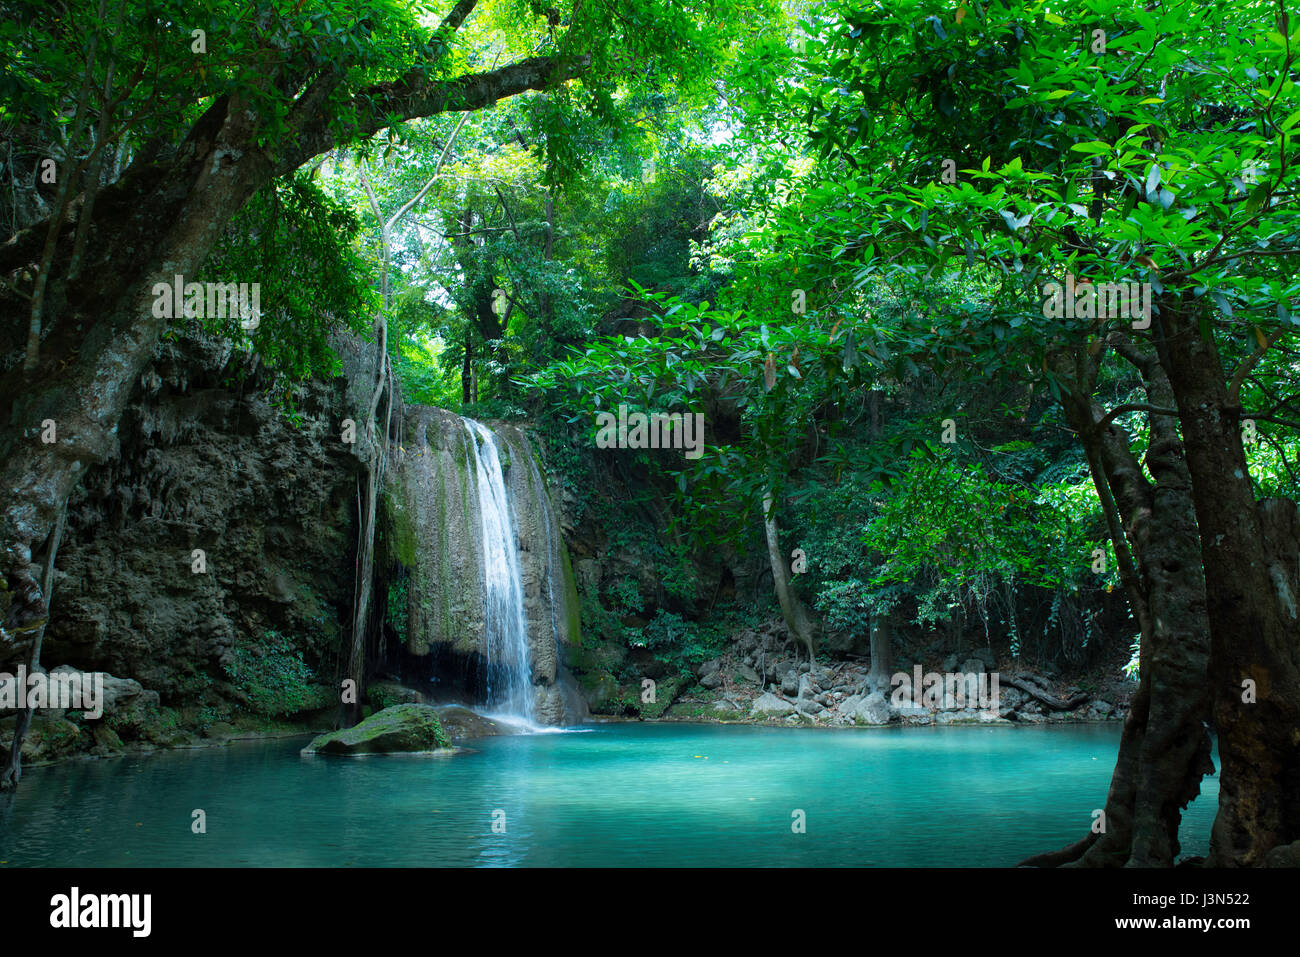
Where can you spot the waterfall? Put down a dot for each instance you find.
(490, 591)
(505, 625)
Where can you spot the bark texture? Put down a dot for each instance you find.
(1254, 630)
(1165, 746)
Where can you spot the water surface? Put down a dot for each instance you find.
(635, 795)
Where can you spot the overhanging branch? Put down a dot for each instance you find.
(414, 96)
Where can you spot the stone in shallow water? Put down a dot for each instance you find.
(462, 723)
(401, 728)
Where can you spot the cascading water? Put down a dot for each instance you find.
(489, 591)
(505, 639)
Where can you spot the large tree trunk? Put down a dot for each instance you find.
(160, 220)
(1254, 628)
(1165, 748)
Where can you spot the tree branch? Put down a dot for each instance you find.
(457, 16)
(414, 96)
(1259, 417)
(1132, 407)
(1234, 387)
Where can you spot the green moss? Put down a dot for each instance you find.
(665, 691)
(401, 530)
(398, 610)
(106, 738)
(57, 735)
(438, 586)
(401, 728)
(572, 606)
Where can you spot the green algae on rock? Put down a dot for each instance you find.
(402, 728)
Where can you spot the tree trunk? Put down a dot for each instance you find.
(467, 370)
(1254, 631)
(792, 609)
(882, 629)
(882, 658)
(1164, 749)
(160, 220)
(14, 772)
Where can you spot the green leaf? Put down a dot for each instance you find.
(1153, 180)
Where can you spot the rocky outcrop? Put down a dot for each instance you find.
(842, 694)
(127, 715)
(403, 728)
(208, 463)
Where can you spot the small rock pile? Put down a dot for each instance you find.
(762, 679)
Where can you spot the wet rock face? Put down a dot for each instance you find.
(434, 513)
(462, 724)
(209, 462)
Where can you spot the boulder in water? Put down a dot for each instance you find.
(462, 723)
(401, 728)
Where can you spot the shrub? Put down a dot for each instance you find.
(274, 676)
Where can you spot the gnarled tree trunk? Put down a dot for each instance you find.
(1254, 622)
(1165, 748)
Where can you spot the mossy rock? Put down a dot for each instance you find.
(665, 691)
(48, 739)
(385, 694)
(602, 657)
(219, 730)
(169, 728)
(106, 739)
(403, 728)
(601, 691)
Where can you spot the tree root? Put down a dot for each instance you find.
(1055, 704)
